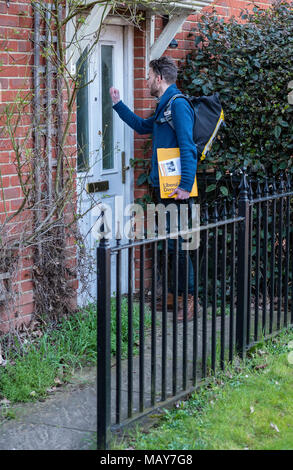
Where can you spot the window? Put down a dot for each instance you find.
(82, 114)
(107, 111)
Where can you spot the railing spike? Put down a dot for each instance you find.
(281, 184)
(243, 186)
(266, 187)
(224, 212)
(215, 213)
(274, 187)
(105, 229)
(250, 191)
(205, 213)
(288, 182)
(258, 189)
(233, 208)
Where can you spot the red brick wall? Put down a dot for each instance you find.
(16, 77)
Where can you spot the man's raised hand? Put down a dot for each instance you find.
(115, 95)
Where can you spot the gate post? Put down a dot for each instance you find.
(103, 344)
(242, 268)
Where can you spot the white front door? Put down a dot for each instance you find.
(106, 156)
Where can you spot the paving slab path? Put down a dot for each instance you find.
(67, 419)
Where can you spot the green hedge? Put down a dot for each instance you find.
(249, 61)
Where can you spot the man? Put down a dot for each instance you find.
(161, 83)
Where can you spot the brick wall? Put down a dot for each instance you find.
(16, 79)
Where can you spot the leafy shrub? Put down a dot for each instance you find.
(249, 62)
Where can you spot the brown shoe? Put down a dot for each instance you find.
(169, 302)
(190, 309)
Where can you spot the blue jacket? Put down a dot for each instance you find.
(165, 137)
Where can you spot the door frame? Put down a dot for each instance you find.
(128, 46)
(128, 98)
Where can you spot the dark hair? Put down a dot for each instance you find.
(166, 68)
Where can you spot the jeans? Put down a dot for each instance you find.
(181, 252)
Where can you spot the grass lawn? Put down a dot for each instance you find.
(249, 406)
(48, 358)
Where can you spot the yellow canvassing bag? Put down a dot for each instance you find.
(170, 172)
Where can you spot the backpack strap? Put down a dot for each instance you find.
(208, 145)
(167, 113)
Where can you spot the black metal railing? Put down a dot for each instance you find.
(242, 276)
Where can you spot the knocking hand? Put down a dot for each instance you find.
(115, 95)
(181, 194)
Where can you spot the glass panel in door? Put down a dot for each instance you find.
(82, 114)
(107, 112)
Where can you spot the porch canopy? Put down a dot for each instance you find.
(178, 13)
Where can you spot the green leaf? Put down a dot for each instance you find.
(205, 89)
(277, 131)
(211, 187)
(198, 81)
(224, 190)
(282, 122)
(198, 40)
(141, 179)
